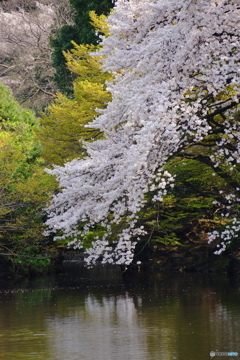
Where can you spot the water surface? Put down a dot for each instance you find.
(98, 314)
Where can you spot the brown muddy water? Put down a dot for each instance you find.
(99, 314)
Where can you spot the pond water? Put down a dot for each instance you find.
(100, 314)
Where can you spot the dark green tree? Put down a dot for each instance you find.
(81, 32)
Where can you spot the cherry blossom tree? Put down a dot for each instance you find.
(175, 92)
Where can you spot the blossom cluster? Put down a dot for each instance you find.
(168, 57)
(231, 229)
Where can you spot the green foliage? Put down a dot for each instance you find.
(62, 128)
(194, 180)
(11, 110)
(81, 32)
(24, 186)
(186, 213)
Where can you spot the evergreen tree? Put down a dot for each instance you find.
(81, 32)
(63, 130)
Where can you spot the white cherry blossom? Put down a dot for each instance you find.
(170, 57)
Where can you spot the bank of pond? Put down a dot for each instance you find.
(198, 256)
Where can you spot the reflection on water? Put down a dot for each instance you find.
(104, 328)
(99, 315)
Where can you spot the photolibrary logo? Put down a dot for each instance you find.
(217, 353)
